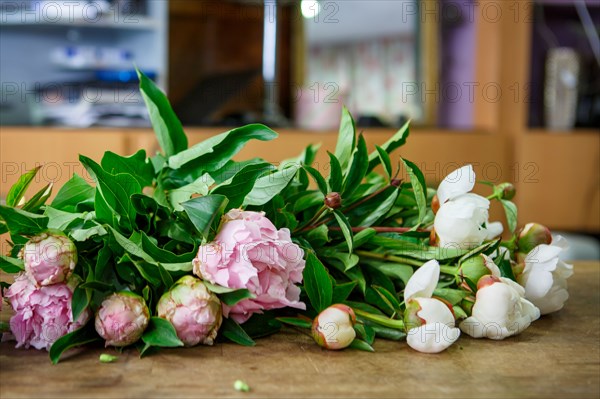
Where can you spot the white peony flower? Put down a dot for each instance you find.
(462, 220)
(545, 276)
(429, 321)
(500, 310)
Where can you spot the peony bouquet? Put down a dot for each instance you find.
(189, 247)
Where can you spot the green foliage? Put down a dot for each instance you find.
(138, 227)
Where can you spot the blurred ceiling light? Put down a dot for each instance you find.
(310, 8)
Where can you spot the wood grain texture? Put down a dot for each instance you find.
(557, 357)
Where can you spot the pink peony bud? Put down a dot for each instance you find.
(43, 314)
(122, 318)
(249, 252)
(532, 235)
(49, 258)
(333, 328)
(194, 311)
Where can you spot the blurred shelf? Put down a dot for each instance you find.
(105, 22)
(563, 133)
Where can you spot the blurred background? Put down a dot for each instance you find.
(510, 86)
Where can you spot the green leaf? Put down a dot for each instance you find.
(346, 228)
(162, 255)
(453, 296)
(166, 125)
(365, 332)
(317, 283)
(362, 237)
(335, 175)
(84, 234)
(319, 179)
(385, 201)
(384, 158)
(357, 169)
(232, 331)
(116, 191)
(295, 321)
(200, 186)
(80, 301)
(270, 185)
(11, 265)
(38, 199)
(386, 332)
(347, 260)
(397, 140)
(74, 192)
(160, 332)
(318, 236)
(213, 153)
(395, 271)
(203, 211)
(417, 182)
(23, 222)
(233, 297)
(346, 138)
(361, 345)
(135, 165)
(511, 214)
(242, 183)
(58, 219)
(342, 291)
(389, 298)
(307, 200)
(17, 191)
(82, 336)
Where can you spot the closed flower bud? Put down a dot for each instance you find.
(500, 310)
(333, 328)
(478, 266)
(532, 235)
(122, 318)
(333, 200)
(49, 258)
(507, 191)
(193, 310)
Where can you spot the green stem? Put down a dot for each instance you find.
(452, 270)
(312, 220)
(384, 321)
(391, 258)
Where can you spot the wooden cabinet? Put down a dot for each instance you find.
(556, 174)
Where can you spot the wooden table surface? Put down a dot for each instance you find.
(558, 356)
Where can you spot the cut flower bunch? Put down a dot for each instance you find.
(188, 247)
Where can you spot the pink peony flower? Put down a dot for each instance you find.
(193, 310)
(43, 314)
(49, 258)
(249, 252)
(122, 318)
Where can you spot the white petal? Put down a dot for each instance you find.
(422, 283)
(432, 338)
(459, 182)
(494, 229)
(560, 241)
(491, 265)
(435, 311)
(477, 329)
(543, 253)
(537, 283)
